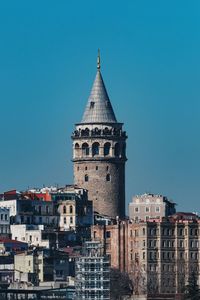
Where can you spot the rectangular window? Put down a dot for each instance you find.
(147, 209)
(157, 209)
(108, 234)
(136, 209)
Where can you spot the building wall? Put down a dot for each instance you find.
(67, 214)
(105, 172)
(31, 234)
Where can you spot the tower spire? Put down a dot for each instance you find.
(98, 61)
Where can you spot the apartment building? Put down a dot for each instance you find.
(159, 255)
(148, 206)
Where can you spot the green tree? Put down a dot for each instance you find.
(120, 284)
(192, 291)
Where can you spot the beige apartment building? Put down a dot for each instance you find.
(159, 255)
(148, 206)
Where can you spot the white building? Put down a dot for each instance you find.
(31, 234)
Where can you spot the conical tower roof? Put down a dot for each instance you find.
(98, 108)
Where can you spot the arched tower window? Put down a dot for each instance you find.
(106, 149)
(77, 148)
(117, 150)
(108, 177)
(85, 149)
(95, 149)
(71, 209)
(64, 209)
(87, 131)
(86, 178)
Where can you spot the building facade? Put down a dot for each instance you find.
(159, 255)
(4, 221)
(148, 206)
(99, 152)
(92, 273)
(73, 207)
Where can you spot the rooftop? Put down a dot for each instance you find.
(98, 108)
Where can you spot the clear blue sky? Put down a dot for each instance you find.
(151, 66)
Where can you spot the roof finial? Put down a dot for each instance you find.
(98, 61)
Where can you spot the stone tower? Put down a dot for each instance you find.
(99, 152)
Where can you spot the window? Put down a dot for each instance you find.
(97, 168)
(85, 149)
(136, 209)
(71, 220)
(1, 216)
(47, 209)
(107, 168)
(147, 209)
(92, 104)
(86, 178)
(77, 148)
(64, 209)
(86, 168)
(65, 220)
(106, 149)
(95, 149)
(108, 234)
(157, 209)
(108, 177)
(77, 168)
(71, 209)
(6, 217)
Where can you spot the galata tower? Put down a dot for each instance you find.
(99, 152)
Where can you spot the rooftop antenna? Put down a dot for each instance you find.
(98, 61)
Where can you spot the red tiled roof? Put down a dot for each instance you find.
(7, 240)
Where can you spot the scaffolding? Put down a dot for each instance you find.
(93, 273)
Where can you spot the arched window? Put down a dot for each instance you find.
(64, 209)
(117, 150)
(65, 220)
(71, 209)
(108, 177)
(85, 149)
(87, 131)
(95, 149)
(77, 148)
(86, 178)
(106, 149)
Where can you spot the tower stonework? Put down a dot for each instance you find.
(99, 152)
